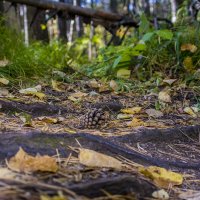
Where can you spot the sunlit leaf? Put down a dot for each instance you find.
(92, 158)
(23, 162)
(55, 85)
(133, 110)
(49, 120)
(189, 47)
(189, 111)
(162, 177)
(146, 37)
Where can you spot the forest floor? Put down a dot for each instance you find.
(133, 136)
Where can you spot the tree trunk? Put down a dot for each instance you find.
(78, 21)
(37, 18)
(173, 10)
(62, 25)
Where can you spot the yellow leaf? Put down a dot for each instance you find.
(188, 47)
(188, 64)
(43, 27)
(40, 95)
(55, 85)
(92, 158)
(162, 177)
(49, 120)
(133, 110)
(59, 197)
(28, 91)
(189, 111)
(4, 81)
(123, 73)
(22, 162)
(164, 96)
(136, 122)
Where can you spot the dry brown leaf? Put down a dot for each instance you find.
(23, 162)
(92, 158)
(169, 81)
(154, 113)
(189, 47)
(164, 96)
(79, 94)
(55, 85)
(4, 92)
(93, 84)
(124, 116)
(113, 84)
(103, 88)
(49, 120)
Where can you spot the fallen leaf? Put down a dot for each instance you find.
(188, 64)
(189, 47)
(124, 116)
(103, 88)
(59, 73)
(40, 95)
(4, 92)
(55, 85)
(161, 177)
(4, 81)
(160, 194)
(28, 91)
(57, 197)
(189, 111)
(49, 120)
(26, 119)
(169, 81)
(164, 96)
(133, 110)
(79, 94)
(154, 113)
(124, 73)
(113, 84)
(23, 162)
(5, 173)
(92, 158)
(136, 122)
(4, 62)
(93, 84)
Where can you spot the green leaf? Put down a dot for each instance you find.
(165, 34)
(147, 36)
(140, 47)
(116, 62)
(144, 24)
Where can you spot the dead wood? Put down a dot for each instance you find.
(35, 109)
(47, 143)
(127, 184)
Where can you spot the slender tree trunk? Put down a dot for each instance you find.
(62, 25)
(173, 10)
(37, 17)
(78, 21)
(26, 32)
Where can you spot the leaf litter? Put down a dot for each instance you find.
(163, 110)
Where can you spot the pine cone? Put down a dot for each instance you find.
(94, 119)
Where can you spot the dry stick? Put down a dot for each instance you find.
(135, 155)
(41, 185)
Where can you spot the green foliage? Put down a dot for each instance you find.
(35, 60)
